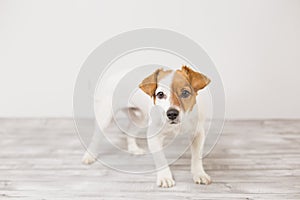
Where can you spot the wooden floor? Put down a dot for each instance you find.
(40, 159)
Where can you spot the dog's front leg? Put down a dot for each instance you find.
(199, 175)
(164, 175)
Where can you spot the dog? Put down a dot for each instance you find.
(175, 92)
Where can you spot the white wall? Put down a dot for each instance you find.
(254, 44)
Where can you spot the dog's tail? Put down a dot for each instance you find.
(134, 114)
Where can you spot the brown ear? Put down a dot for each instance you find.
(198, 81)
(149, 84)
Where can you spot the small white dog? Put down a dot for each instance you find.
(176, 93)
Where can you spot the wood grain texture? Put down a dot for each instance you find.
(41, 159)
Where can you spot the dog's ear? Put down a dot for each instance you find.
(197, 80)
(149, 84)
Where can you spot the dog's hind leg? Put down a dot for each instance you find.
(135, 116)
(132, 146)
(103, 119)
(92, 151)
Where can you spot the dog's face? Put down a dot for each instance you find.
(174, 91)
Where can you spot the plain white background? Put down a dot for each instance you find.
(254, 44)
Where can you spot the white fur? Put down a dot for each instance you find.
(145, 103)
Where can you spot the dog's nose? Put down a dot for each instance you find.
(172, 113)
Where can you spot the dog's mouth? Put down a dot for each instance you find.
(173, 122)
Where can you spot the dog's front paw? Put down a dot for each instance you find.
(165, 182)
(88, 159)
(202, 179)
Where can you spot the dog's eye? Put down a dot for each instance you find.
(185, 94)
(160, 95)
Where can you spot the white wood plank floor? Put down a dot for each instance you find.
(41, 159)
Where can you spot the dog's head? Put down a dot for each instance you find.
(174, 91)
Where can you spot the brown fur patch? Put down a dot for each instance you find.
(149, 84)
(197, 80)
(187, 79)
